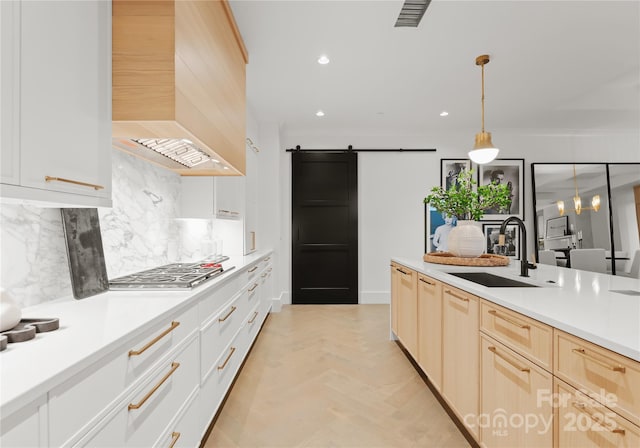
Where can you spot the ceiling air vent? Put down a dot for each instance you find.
(412, 12)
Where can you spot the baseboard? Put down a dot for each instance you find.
(375, 297)
(277, 302)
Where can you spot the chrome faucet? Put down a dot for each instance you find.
(524, 264)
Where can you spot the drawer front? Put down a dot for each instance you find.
(527, 336)
(25, 428)
(582, 422)
(219, 380)
(252, 293)
(185, 431)
(612, 379)
(104, 381)
(220, 331)
(215, 301)
(138, 421)
(253, 322)
(510, 388)
(252, 273)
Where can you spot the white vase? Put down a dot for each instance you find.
(466, 239)
(10, 313)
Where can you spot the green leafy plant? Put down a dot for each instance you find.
(461, 201)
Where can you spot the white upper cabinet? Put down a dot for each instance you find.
(209, 197)
(56, 133)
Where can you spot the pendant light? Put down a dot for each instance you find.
(483, 151)
(577, 201)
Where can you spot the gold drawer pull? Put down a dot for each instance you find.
(451, 293)
(269, 270)
(424, 281)
(582, 407)
(174, 438)
(253, 288)
(264, 275)
(581, 352)
(222, 319)
(253, 269)
(224, 364)
(174, 367)
(74, 182)
(513, 364)
(508, 319)
(267, 259)
(253, 319)
(173, 326)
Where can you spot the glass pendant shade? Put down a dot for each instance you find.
(577, 204)
(483, 151)
(561, 207)
(595, 202)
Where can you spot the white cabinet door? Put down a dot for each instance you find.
(251, 199)
(26, 427)
(9, 90)
(65, 97)
(229, 197)
(198, 197)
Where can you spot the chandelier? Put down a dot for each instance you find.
(577, 201)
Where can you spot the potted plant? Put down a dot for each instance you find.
(467, 204)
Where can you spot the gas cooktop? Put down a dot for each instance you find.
(172, 276)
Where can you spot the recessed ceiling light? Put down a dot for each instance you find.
(225, 167)
(323, 60)
(444, 113)
(319, 114)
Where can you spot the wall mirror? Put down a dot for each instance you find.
(587, 206)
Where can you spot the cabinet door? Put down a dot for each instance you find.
(408, 310)
(9, 91)
(430, 328)
(197, 199)
(512, 411)
(460, 353)
(229, 197)
(251, 212)
(395, 275)
(26, 427)
(65, 94)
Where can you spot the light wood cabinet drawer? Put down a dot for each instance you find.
(219, 332)
(140, 419)
(511, 387)
(530, 338)
(582, 422)
(102, 383)
(612, 379)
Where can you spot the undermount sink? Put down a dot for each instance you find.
(492, 281)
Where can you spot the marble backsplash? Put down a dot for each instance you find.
(140, 231)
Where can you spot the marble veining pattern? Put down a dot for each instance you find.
(139, 232)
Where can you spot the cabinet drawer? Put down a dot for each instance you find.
(253, 322)
(217, 334)
(216, 384)
(184, 431)
(252, 273)
(138, 421)
(526, 336)
(212, 304)
(102, 383)
(512, 385)
(582, 422)
(25, 428)
(612, 379)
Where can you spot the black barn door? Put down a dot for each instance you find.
(324, 228)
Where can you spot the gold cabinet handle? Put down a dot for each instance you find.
(74, 182)
(253, 240)
(253, 288)
(253, 319)
(224, 364)
(425, 281)
(264, 275)
(222, 319)
(253, 269)
(583, 353)
(494, 313)
(582, 407)
(495, 351)
(173, 326)
(267, 259)
(174, 438)
(452, 294)
(269, 270)
(174, 367)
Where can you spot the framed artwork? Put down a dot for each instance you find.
(557, 227)
(436, 230)
(504, 171)
(449, 170)
(511, 238)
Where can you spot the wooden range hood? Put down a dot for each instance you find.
(179, 73)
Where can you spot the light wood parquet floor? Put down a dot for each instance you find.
(328, 376)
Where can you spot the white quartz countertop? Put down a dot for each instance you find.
(579, 302)
(89, 329)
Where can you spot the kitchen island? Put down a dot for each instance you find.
(565, 347)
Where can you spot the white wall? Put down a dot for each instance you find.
(391, 187)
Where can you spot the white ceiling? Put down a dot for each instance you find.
(556, 65)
